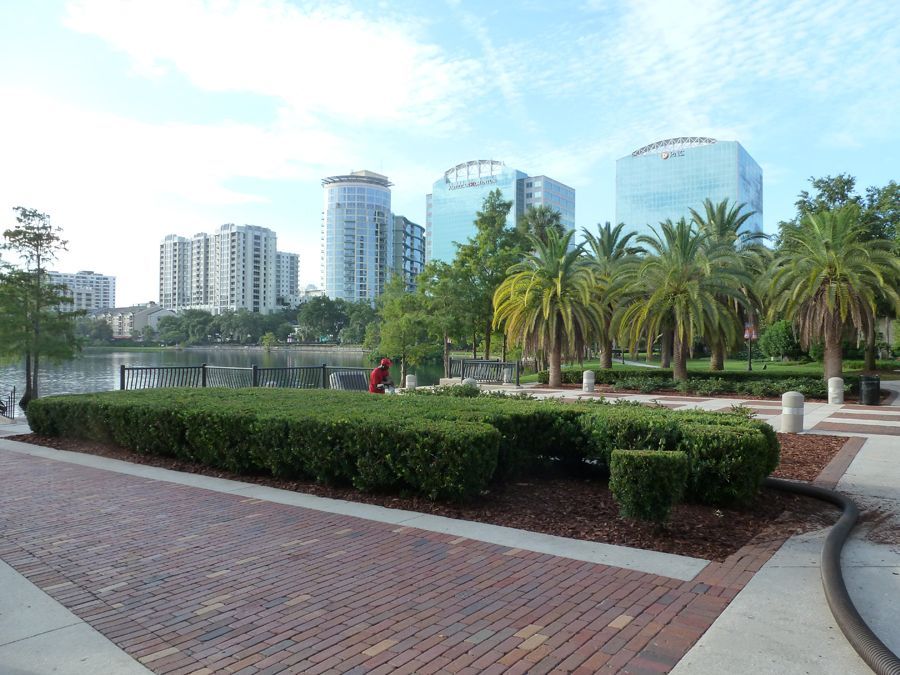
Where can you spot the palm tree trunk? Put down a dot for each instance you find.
(679, 357)
(717, 355)
(665, 349)
(556, 363)
(503, 350)
(833, 355)
(870, 347)
(487, 342)
(605, 352)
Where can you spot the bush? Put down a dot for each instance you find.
(647, 483)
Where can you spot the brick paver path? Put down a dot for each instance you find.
(192, 581)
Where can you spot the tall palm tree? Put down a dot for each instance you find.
(722, 225)
(826, 278)
(610, 250)
(682, 282)
(539, 220)
(545, 302)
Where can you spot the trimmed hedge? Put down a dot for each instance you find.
(754, 383)
(442, 447)
(647, 483)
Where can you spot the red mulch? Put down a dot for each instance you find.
(581, 509)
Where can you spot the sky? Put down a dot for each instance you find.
(128, 121)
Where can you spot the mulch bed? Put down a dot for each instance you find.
(580, 509)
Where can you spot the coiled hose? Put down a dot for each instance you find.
(872, 650)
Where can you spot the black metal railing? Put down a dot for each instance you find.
(499, 372)
(8, 402)
(234, 377)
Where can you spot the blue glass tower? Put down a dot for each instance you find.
(668, 178)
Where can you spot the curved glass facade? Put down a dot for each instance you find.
(356, 235)
(668, 182)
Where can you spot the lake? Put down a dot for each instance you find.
(99, 370)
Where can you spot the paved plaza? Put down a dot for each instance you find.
(111, 567)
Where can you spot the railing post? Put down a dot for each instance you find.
(202, 374)
(324, 376)
(254, 376)
(122, 377)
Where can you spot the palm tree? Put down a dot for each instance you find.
(827, 277)
(722, 224)
(539, 220)
(545, 302)
(683, 283)
(610, 250)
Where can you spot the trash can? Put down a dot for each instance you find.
(869, 389)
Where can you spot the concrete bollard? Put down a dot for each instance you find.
(411, 382)
(836, 390)
(587, 380)
(470, 382)
(792, 412)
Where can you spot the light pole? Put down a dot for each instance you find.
(749, 336)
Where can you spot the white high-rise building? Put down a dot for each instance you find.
(287, 278)
(233, 268)
(87, 289)
(174, 272)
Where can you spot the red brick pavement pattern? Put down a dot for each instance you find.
(192, 581)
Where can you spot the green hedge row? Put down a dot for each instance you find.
(439, 446)
(755, 383)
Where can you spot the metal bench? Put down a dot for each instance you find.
(349, 380)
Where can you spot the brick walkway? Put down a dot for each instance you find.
(192, 581)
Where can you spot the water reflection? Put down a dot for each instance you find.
(99, 370)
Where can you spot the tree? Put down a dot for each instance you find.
(722, 226)
(33, 324)
(447, 308)
(484, 259)
(546, 301)
(778, 340)
(539, 220)
(831, 192)
(322, 318)
(403, 329)
(170, 330)
(359, 315)
(683, 283)
(827, 278)
(268, 340)
(610, 250)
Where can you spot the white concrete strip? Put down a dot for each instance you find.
(39, 635)
(652, 562)
(867, 422)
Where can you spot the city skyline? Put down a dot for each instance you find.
(129, 122)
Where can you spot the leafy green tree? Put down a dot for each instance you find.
(359, 315)
(546, 302)
(322, 318)
(484, 259)
(683, 283)
(831, 192)
(778, 340)
(171, 331)
(610, 249)
(148, 333)
(404, 328)
(268, 340)
(32, 322)
(539, 220)
(826, 278)
(722, 224)
(447, 307)
(93, 330)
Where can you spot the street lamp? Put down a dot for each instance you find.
(749, 336)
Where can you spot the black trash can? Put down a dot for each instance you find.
(869, 389)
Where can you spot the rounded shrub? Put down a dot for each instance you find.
(647, 483)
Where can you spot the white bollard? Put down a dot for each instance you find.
(836, 390)
(792, 412)
(587, 380)
(411, 382)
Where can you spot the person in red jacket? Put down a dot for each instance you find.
(380, 377)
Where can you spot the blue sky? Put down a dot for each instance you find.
(127, 121)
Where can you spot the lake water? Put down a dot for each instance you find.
(99, 370)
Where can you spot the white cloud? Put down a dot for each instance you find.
(318, 59)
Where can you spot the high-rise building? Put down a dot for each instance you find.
(287, 284)
(88, 290)
(408, 250)
(356, 235)
(668, 178)
(233, 268)
(459, 194)
(174, 272)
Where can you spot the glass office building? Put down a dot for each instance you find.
(356, 235)
(668, 178)
(456, 198)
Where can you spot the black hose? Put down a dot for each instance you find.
(872, 650)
